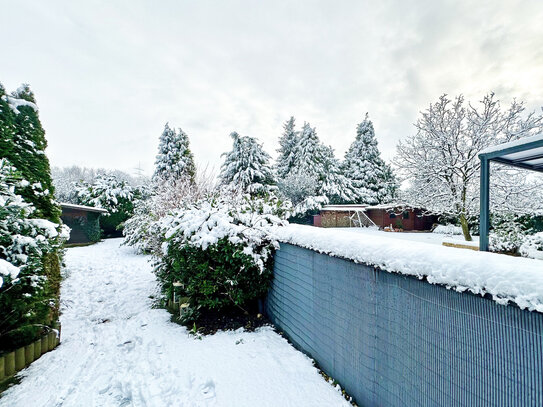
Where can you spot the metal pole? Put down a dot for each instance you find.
(484, 219)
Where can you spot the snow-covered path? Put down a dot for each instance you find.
(118, 351)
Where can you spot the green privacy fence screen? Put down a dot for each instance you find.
(393, 340)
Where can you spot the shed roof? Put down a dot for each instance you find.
(525, 153)
(82, 208)
(362, 207)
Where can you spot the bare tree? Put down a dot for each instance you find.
(440, 161)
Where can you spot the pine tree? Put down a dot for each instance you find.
(174, 160)
(287, 143)
(21, 127)
(335, 186)
(247, 167)
(315, 168)
(7, 127)
(363, 165)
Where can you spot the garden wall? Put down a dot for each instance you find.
(394, 340)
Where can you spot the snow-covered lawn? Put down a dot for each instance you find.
(118, 351)
(424, 237)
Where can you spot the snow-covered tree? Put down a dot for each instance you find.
(23, 144)
(142, 230)
(113, 194)
(287, 146)
(372, 179)
(440, 161)
(29, 274)
(247, 167)
(317, 173)
(67, 180)
(174, 159)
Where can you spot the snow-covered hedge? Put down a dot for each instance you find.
(27, 284)
(221, 250)
(505, 278)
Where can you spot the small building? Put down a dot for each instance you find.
(84, 222)
(397, 216)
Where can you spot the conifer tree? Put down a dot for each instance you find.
(287, 143)
(7, 128)
(22, 129)
(314, 164)
(174, 160)
(372, 179)
(247, 167)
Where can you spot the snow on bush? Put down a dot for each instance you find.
(533, 246)
(142, 230)
(508, 234)
(221, 250)
(448, 229)
(26, 289)
(505, 278)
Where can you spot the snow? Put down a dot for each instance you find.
(82, 207)
(448, 229)
(117, 350)
(47, 226)
(515, 143)
(505, 278)
(15, 103)
(7, 269)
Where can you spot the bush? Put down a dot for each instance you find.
(218, 276)
(533, 246)
(29, 265)
(508, 234)
(220, 250)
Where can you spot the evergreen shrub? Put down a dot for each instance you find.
(220, 250)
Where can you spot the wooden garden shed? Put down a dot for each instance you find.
(398, 216)
(84, 222)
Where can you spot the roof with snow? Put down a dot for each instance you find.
(82, 208)
(523, 153)
(363, 208)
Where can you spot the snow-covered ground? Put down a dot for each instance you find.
(432, 238)
(118, 351)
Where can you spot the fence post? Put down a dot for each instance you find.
(19, 359)
(44, 344)
(37, 349)
(9, 360)
(29, 354)
(52, 337)
(2, 368)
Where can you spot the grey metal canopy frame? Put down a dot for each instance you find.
(525, 153)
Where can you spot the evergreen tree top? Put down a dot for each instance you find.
(174, 160)
(24, 92)
(371, 177)
(287, 146)
(24, 135)
(247, 166)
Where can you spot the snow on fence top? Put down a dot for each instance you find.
(506, 278)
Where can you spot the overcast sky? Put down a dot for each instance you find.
(108, 75)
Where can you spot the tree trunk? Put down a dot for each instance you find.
(465, 227)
